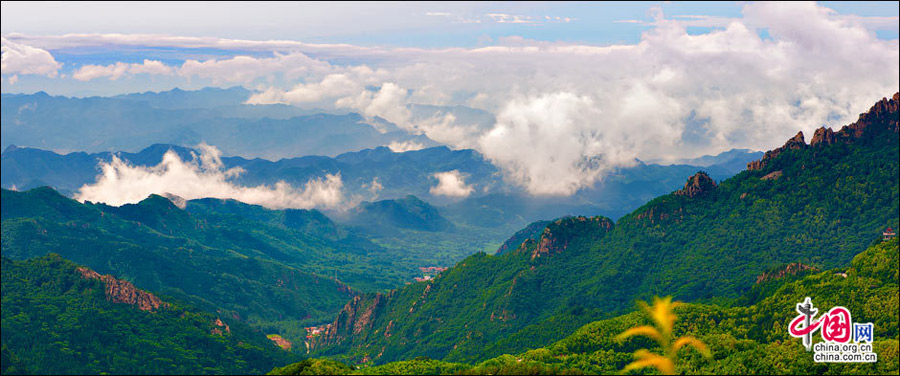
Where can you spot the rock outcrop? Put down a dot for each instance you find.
(357, 315)
(121, 291)
(789, 269)
(794, 143)
(698, 185)
(280, 341)
(556, 236)
(883, 118)
(219, 324)
(823, 136)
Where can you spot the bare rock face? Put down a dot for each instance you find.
(358, 314)
(824, 136)
(121, 291)
(790, 269)
(884, 115)
(281, 342)
(697, 185)
(219, 324)
(774, 175)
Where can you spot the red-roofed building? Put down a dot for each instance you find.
(889, 234)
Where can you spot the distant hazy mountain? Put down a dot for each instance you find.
(819, 204)
(408, 212)
(734, 160)
(493, 203)
(214, 116)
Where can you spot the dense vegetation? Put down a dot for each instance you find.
(55, 321)
(815, 204)
(256, 272)
(743, 339)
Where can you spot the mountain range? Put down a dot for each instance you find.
(200, 284)
(818, 203)
(214, 116)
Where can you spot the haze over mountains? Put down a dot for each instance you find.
(818, 203)
(368, 171)
(450, 188)
(215, 116)
(282, 270)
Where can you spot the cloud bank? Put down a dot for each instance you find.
(569, 114)
(119, 70)
(23, 59)
(451, 184)
(120, 183)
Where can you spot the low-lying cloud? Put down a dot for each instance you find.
(404, 146)
(451, 184)
(568, 114)
(205, 176)
(119, 70)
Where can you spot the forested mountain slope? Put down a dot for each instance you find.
(60, 318)
(260, 274)
(749, 338)
(817, 203)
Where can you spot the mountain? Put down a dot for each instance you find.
(61, 318)
(746, 338)
(133, 121)
(816, 203)
(409, 212)
(397, 174)
(734, 160)
(274, 277)
(206, 98)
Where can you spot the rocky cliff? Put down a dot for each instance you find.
(883, 118)
(121, 291)
(789, 269)
(699, 184)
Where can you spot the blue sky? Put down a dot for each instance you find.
(578, 89)
(421, 25)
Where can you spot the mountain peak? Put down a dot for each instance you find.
(556, 236)
(884, 116)
(701, 183)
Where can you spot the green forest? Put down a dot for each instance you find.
(748, 338)
(817, 204)
(55, 321)
(805, 221)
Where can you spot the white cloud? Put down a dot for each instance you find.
(332, 85)
(509, 18)
(120, 69)
(404, 146)
(23, 59)
(601, 106)
(205, 176)
(452, 184)
(247, 69)
(374, 187)
(388, 102)
(553, 144)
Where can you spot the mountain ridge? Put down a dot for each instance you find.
(690, 231)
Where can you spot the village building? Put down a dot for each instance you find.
(889, 234)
